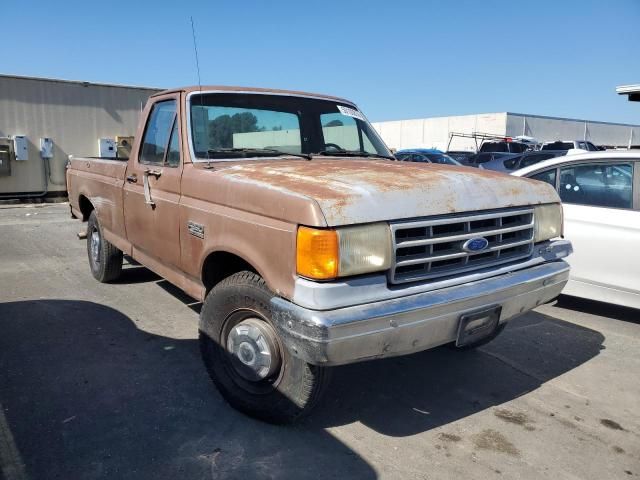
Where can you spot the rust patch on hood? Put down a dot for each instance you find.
(358, 191)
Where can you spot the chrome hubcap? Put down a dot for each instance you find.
(254, 351)
(95, 246)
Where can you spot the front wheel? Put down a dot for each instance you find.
(105, 260)
(246, 359)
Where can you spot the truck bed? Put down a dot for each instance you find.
(99, 180)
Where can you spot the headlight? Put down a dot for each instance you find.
(327, 254)
(548, 220)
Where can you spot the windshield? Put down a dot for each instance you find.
(504, 147)
(230, 125)
(558, 146)
(494, 147)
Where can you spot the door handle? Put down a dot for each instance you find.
(132, 178)
(147, 191)
(154, 173)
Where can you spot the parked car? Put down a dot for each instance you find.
(600, 194)
(571, 146)
(504, 147)
(310, 246)
(487, 157)
(531, 142)
(428, 155)
(460, 155)
(515, 162)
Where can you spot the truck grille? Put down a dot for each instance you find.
(433, 248)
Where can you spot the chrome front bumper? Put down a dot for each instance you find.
(412, 323)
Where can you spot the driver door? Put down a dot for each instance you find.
(152, 189)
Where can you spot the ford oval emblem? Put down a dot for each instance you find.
(476, 244)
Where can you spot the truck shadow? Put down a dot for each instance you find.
(133, 272)
(86, 394)
(408, 395)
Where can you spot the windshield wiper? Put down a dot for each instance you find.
(258, 151)
(354, 153)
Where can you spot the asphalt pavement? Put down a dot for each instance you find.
(105, 381)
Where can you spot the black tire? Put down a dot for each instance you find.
(286, 394)
(105, 260)
(479, 343)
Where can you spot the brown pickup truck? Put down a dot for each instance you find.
(310, 246)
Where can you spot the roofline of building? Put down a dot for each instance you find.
(440, 116)
(628, 89)
(78, 82)
(518, 114)
(574, 119)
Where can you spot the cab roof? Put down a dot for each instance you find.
(230, 89)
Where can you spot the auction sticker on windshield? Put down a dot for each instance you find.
(351, 112)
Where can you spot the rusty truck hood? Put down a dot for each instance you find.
(350, 191)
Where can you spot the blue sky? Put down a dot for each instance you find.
(396, 59)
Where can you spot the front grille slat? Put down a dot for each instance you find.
(466, 236)
(431, 258)
(464, 218)
(432, 248)
(413, 261)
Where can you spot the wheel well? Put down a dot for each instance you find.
(220, 265)
(86, 207)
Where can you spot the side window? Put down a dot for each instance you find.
(173, 155)
(157, 131)
(599, 185)
(548, 176)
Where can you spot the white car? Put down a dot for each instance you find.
(600, 195)
(570, 146)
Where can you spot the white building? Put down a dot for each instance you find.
(436, 132)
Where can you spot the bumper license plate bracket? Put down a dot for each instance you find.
(475, 326)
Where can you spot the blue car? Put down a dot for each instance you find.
(428, 155)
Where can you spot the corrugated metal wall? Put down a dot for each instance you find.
(73, 114)
(434, 132)
(548, 129)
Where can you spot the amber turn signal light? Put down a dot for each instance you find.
(317, 253)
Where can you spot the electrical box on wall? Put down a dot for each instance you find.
(107, 148)
(124, 146)
(46, 147)
(20, 148)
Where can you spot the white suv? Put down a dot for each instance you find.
(571, 146)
